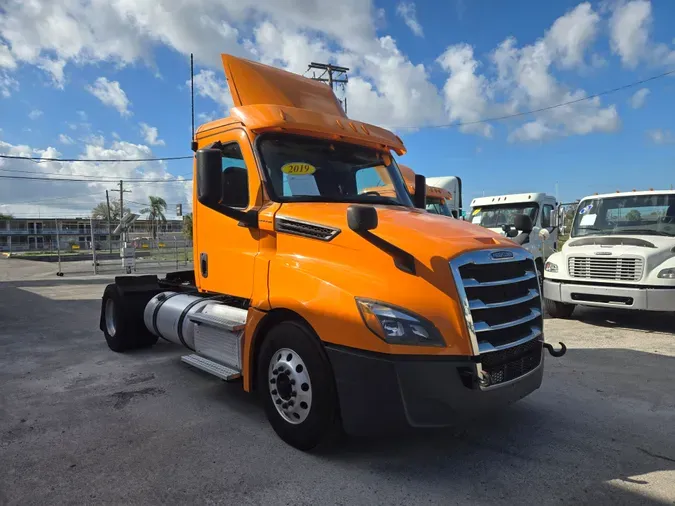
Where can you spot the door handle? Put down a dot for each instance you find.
(204, 264)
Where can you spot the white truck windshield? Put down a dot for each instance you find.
(627, 215)
(497, 216)
(303, 169)
(437, 206)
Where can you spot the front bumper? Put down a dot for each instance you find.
(383, 393)
(650, 299)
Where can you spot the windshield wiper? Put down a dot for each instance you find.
(648, 231)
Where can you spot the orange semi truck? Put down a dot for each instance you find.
(340, 308)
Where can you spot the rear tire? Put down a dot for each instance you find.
(557, 309)
(122, 321)
(297, 387)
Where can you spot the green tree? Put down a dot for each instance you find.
(155, 213)
(187, 226)
(100, 212)
(4, 216)
(633, 215)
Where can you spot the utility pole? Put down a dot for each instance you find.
(122, 192)
(107, 200)
(334, 75)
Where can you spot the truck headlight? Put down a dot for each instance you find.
(551, 267)
(667, 273)
(398, 326)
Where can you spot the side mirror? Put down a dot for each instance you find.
(209, 173)
(454, 213)
(523, 223)
(544, 234)
(362, 218)
(210, 187)
(420, 197)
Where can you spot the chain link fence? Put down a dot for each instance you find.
(86, 246)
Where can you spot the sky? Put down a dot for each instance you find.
(109, 79)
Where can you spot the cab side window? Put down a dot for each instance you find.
(546, 216)
(234, 179)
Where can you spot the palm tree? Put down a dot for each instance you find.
(155, 213)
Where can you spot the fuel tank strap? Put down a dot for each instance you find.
(156, 312)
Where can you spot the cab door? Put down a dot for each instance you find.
(224, 250)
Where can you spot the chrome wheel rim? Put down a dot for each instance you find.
(290, 386)
(110, 317)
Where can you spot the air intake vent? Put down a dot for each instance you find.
(305, 229)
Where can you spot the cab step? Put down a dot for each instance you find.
(211, 367)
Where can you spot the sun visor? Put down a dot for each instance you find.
(252, 83)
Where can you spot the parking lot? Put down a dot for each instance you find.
(81, 424)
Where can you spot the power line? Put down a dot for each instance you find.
(83, 180)
(542, 109)
(95, 160)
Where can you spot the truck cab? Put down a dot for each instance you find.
(452, 185)
(498, 213)
(339, 306)
(620, 254)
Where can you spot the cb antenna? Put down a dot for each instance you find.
(193, 144)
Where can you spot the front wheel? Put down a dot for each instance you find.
(297, 387)
(557, 309)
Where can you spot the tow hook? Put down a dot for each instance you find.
(553, 352)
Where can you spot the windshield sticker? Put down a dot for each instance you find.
(298, 169)
(475, 211)
(588, 220)
(586, 209)
(476, 220)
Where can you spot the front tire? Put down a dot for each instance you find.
(557, 309)
(296, 383)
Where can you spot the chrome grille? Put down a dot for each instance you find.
(501, 299)
(616, 269)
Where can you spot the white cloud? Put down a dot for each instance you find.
(35, 114)
(77, 199)
(111, 94)
(639, 97)
(408, 12)
(207, 84)
(65, 139)
(7, 85)
(466, 94)
(659, 136)
(630, 38)
(526, 80)
(6, 59)
(151, 135)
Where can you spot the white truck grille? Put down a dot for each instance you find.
(616, 269)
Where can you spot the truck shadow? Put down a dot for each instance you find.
(584, 437)
(647, 321)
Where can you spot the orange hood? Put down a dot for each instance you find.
(423, 235)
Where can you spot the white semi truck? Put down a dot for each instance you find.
(452, 184)
(499, 213)
(621, 254)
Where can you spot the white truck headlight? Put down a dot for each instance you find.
(667, 273)
(398, 326)
(551, 267)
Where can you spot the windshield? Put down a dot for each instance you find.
(303, 169)
(628, 215)
(497, 216)
(438, 206)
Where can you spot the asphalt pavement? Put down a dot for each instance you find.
(80, 424)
